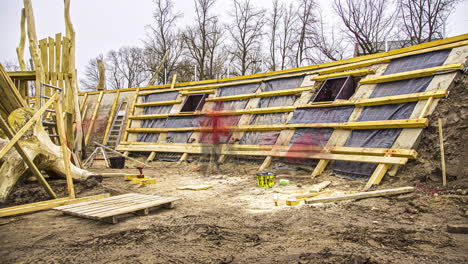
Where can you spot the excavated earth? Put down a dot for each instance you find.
(237, 222)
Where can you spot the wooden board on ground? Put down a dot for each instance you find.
(360, 195)
(108, 209)
(194, 187)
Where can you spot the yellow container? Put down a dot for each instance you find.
(265, 179)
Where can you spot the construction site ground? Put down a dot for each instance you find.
(238, 222)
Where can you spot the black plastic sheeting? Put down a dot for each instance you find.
(238, 89)
(322, 115)
(152, 110)
(264, 137)
(384, 138)
(275, 101)
(283, 84)
(311, 137)
(181, 121)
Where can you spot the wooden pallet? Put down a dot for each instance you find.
(108, 209)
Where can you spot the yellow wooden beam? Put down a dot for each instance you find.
(197, 148)
(394, 99)
(155, 116)
(93, 119)
(34, 207)
(172, 102)
(132, 111)
(262, 94)
(198, 92)
(413, 74)
(380, 124)
(290, 154)
(83, 102)
(355, 73)
(23, 75)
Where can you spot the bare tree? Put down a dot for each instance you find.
(10, 65)
(288, 23)
(424, 20)
(215, 47)
(326, 44)
(246, 35)
(126, 68)
(306, 21)
(91, 74)
(274, 18)
(367, 21)
(202, 39)
(162, 37)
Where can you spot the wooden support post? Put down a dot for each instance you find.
(442, 153)
(32, 167)
(266, 163)
(151, 156)
(132, 112)
(378, 174)
(183, 157)
(174, 79)
(153, 79)
(20, 48)
(111, 116)
(63, 144)
(102, 76)
(93, 119)
(83, 101)
(321, 165)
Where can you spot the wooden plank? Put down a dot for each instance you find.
(355, 73)
(198, 92)
(137, 207)
(27, 126)
(93, 119)
(58, 52)
(29, 162)
(131, 113)
(174, 79)
(195, 187)
(34, 207)
(426, 107)
(158, 103)
(442, 152)
(151, 156)
(83, 102)
(260, 95)
(266, 163)
(111, 117)
(361, 195)
(413, 74)
(63, 144)
(51, 55)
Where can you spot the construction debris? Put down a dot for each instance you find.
(194, 187)
(360, 195)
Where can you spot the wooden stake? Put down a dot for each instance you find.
(65, 151)
(442, 153)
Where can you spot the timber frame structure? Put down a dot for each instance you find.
(368, 70)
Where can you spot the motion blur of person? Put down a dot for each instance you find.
(216, 134)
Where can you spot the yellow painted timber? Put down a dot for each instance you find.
(407, 51)
(23, 75)
(132, 111)
(196, 148)
(381, 124)
(355, 73)
(155, 116)
(158, 103)
(83, 102)
(34, 207)
(111, 117)
(198, 92)
(321, 165)
(394, 99)
(412, 74)
(262, 94)
(326, 156)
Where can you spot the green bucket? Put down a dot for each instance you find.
(265, 179)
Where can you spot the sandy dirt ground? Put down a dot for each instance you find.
(237, 222)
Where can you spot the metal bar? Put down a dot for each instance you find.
(51, 86)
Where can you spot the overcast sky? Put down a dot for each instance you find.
(102, 25)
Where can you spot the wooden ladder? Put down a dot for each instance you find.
(115, 132)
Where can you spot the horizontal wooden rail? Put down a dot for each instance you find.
(394, 99)
(289, 154)
(381, 124)
(412, 74)
(198, 92)
(182, 147)
(158, 103)
(355, 73)
(261, 94)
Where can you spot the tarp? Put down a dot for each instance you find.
(152, 110)
(263, 137)
(384, 138)
(335, 114)
(283, 84)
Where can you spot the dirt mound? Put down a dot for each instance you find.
(454, 114)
